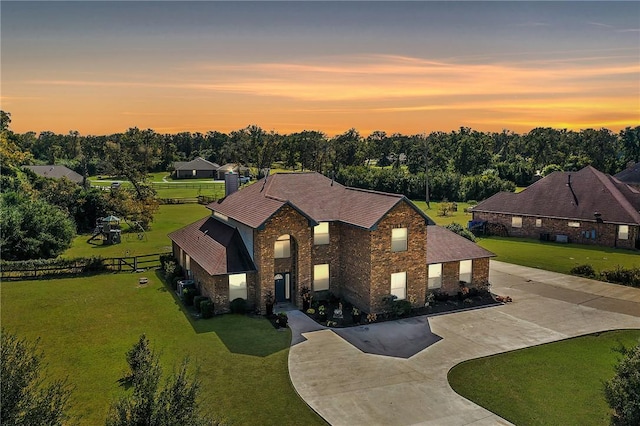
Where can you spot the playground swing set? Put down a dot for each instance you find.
(109, 232)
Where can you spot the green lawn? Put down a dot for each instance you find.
(87, 324)
(460, 216)
(554, 384)
(168, 219)
(557, 257)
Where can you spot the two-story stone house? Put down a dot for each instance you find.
(297, 230)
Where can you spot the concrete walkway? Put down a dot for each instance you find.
(349, 387)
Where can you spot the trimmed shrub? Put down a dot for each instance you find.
(206, 308)
(238, 306)
(462, 231)
(585, 270)
(188, 295)
(197, 300)
(401, 307)
(622, 275)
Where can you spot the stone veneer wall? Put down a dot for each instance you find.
(286, 221)
(413, 261)
(450, 278)
(606, 233)
(480, 272)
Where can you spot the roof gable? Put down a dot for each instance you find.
(197, 163)
(571, 195)
(216, 247)
(315, 196)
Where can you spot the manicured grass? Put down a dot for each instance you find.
(460, 216)
(87, 324)
(169, 218)
(554, 384)
(557, 257)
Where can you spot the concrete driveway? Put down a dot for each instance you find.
(349, 387)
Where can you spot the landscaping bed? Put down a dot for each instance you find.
(340, 314)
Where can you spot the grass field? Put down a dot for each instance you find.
(460, 216)
(557, 257)
(169, 218)
(87, 324)
(554, 384)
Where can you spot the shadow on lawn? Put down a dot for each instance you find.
(241, 334)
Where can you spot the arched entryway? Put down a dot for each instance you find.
(284, 268)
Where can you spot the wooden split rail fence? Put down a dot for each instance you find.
(29, 270)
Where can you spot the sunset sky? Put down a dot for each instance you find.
(408, 67)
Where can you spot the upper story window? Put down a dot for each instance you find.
(282, 247)
(399, 239)
(321, 233)
(516, 222)
(623, 232)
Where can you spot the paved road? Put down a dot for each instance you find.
(349, 387)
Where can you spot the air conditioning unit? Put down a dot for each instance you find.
(182, 284)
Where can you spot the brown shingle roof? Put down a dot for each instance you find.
(216, 247)
(56, 172)
(197, 163)
(446, 246)
(314, 195)
(590, 191)
(630, 175)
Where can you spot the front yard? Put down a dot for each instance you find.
(558, 383)
(87, 324)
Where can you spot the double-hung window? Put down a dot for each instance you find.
(321, 233)
(282, 247)
(399, 239)
(399, 285)
(237, 286)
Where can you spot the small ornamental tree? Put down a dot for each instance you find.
(622, 392)
(149, 404)
(26, 400)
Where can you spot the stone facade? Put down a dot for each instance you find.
(384, 262)
(606, 234)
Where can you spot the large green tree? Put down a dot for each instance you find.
(26, 399)
(149, 404)
(32, 229)
(622, 392)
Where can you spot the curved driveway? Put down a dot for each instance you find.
(349, 387)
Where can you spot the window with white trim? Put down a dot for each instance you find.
(465, 271)
(321, 233)
(574, 224)
(538, 223)
(237, 286)
(399, 239)
(194, 172)
(399, 285)
(435, 275)
(516, 222)
(321, 277)
(282, 247)
(623, 232)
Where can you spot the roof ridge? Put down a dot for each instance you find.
(371, 191)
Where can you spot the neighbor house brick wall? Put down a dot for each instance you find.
(606, 233)
(286, 221)
(355, 265)
(413, 261)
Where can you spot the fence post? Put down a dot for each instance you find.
(135, 263)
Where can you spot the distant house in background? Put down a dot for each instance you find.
(584, 207)
(232, 167)
(56, 172)
(630, 175)
(196, 168)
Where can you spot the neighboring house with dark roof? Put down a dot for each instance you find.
(293, 231)
(630, 175)
(56, 172)
(196, 168)
(585, 207)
